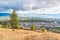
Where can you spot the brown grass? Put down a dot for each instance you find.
(8, 34)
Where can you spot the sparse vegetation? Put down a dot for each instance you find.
(8, 34)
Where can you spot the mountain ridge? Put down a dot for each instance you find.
(34, 15)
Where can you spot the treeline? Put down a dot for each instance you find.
(32, 20)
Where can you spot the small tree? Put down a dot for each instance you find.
(14, 20)
(33, 27)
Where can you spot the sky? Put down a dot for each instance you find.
(30, 6)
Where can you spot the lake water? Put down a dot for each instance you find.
(4, 14)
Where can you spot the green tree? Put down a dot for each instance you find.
(14, 20)
(33, 27)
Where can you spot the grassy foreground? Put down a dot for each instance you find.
(8, 34)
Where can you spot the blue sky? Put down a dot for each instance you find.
(30, 6)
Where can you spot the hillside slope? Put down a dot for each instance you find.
(8, 34)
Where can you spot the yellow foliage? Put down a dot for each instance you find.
(1, 26)
(33, 27)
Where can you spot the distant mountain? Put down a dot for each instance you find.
(41, 15)
(34, 15)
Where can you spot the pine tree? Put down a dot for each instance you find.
(33, 27)
(14, 20)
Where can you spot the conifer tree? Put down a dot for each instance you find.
(14, 20)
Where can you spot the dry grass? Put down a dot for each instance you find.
(8, 34)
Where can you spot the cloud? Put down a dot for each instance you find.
(28, 4)
(7, 11)
(31, 6)
(52, 10)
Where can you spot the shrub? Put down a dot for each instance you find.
(1, 26)
(18, 26)
(33, 27)
(43, 29)
(8, 26)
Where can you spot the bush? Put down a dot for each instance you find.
(18, 26)
(42, 29)
(8, 26)
(33, 27)
(1, 26)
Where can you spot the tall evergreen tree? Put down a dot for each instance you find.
(14, 20)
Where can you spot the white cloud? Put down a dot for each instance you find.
(29, 4)
(51, 10)
(4, 3)
(7, 11)
(33, 6)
